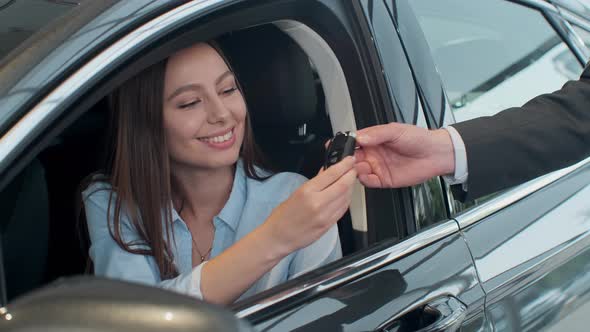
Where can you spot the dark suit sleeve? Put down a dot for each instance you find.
(549, 132)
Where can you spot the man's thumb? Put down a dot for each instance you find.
(380, 134)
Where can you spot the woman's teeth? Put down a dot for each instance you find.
(218, 139)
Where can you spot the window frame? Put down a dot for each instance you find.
(396, 70)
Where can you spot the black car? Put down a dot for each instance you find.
(415, 258)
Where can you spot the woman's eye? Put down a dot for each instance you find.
(229, 91)
(189, 104)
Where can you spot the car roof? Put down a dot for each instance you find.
(20, 19)
(59, 47)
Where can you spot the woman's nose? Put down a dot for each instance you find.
(218, 112)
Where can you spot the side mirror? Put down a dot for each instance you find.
(96, 304)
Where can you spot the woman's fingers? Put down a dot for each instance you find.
(338, 195)
(334, 210)
(340, 212)
(327, 177)
(341, 186)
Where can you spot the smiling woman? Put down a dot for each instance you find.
(189, 205)
(203, 102)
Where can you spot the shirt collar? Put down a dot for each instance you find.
(232, 210)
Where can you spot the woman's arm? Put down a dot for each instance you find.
(323, 251)
(310, 212)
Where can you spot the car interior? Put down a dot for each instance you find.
(297, 98)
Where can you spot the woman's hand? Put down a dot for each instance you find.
(300, 220)
(311, 210)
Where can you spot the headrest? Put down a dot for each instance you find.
(275, 74)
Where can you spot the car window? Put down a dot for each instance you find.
(20, 19)
(492, 55)
(83, 139)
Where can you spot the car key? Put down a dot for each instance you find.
(340, 147)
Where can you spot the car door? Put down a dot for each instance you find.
(410, 275)
(530, 243)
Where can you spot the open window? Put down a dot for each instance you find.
(291, 128)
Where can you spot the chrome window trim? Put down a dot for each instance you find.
(576, 42)
(356, 269)
(575, 19)
(37, 117)
(502, 201)
(539, 4)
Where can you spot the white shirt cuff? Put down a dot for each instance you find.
(187, 283)
(461, 174)
(195, 287)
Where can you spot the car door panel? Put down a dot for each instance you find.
(395, 285)
(533, 258)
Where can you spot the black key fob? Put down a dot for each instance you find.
(341, 146)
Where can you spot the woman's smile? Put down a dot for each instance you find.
(221, 141)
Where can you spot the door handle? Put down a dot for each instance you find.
(451, 314)
(442, 314)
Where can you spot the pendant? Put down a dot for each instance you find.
(202, 259)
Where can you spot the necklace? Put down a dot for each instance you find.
(202, 256)
(197, 248)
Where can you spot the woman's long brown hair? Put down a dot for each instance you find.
(140, 173)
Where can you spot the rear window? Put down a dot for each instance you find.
(19, 19)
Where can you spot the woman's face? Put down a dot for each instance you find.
(204, 112)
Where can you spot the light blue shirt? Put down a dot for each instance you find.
(250, 203)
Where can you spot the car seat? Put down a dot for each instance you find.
(285, 102)
(74, 154)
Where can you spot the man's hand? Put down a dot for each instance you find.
(400, 155)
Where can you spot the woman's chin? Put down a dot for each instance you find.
(220, 160)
